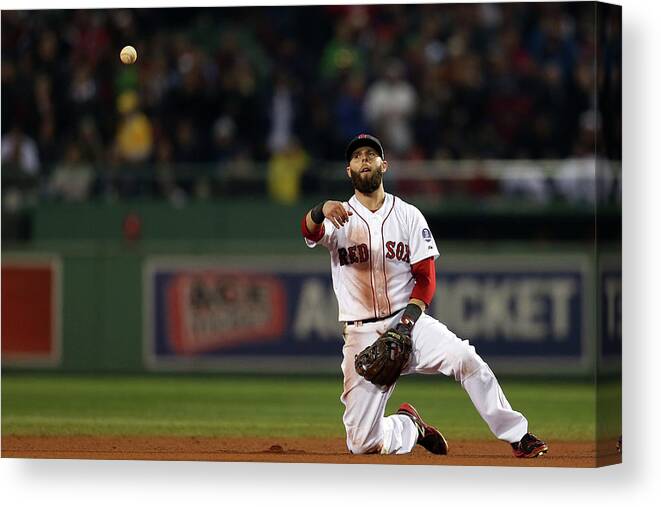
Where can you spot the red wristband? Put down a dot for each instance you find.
(312, 236)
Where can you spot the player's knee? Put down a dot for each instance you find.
(362, 443)
(362, 448)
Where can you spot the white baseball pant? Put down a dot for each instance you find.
(436, 349)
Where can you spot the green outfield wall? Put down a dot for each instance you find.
(107, 303)
(196, 220)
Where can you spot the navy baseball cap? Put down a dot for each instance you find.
(363, 140)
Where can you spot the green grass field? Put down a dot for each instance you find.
(223, 405)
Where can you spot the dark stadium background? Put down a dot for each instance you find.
(224, 97)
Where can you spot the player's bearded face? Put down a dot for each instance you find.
(366, 175)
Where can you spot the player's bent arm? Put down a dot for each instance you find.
(332, 210)
(312, 226)
(311, 230)
(424, 273)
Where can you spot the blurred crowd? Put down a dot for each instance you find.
(238, 89)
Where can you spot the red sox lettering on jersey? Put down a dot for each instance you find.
(371, 257)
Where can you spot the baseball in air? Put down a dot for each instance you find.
(128, 55)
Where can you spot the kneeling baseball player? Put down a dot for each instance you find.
(382, 262)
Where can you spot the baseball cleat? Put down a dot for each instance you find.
(428, 436)
(529, 447)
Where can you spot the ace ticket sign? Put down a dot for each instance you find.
(202, 313)
(228, 314)
(210, 311)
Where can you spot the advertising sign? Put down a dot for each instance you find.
(30, 311)
(204, 313)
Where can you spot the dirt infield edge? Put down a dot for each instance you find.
(295, 450)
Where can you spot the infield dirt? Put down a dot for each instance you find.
(295, 450)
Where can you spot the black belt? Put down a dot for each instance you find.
(375, 319)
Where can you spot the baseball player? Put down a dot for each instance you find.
(382, 262)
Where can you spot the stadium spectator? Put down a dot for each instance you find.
(342, 53)
(576, 178)
(490, 81)
(282, 112)
(166, 179)
(390, 103)
(134, 133)
(224, 139)
(349, 114)
(187, 146)
(73, 177)
(19, 152)
(285, 171)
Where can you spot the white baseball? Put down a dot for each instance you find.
(128, 55)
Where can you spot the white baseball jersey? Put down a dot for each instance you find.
(371, 257)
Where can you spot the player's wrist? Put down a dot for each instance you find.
(410, 316)
(317, 213)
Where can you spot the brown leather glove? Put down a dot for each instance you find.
(382, 362)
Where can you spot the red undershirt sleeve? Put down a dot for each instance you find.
(312, 236)
(424, 273)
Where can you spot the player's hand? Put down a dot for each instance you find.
(336, 213)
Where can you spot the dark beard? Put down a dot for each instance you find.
(368, 185)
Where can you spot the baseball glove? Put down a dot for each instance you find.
(382, 362)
